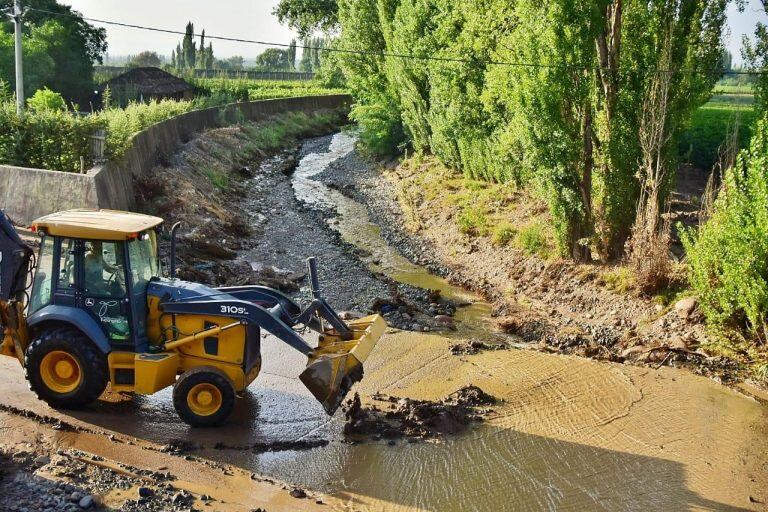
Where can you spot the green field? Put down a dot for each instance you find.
(709, 127)
(734, 89)
(243, 89)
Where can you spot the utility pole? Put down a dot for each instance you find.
(16, 17)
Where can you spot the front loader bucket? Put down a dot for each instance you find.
(335, 365)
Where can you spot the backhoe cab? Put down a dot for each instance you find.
(98, 311)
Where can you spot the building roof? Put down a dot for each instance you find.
(148, 81)
(95, 224)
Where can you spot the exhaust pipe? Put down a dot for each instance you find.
(172, 269)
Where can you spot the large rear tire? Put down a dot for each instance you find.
(203, 397)
(65, 369)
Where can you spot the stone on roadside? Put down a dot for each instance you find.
(445, 321)
(86, 502)
(297, 492)
(685, 307)
(42, 460)
(145, 492)
(631, 352)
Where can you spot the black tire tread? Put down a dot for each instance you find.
(92, 361)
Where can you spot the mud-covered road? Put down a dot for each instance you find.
(568, 434)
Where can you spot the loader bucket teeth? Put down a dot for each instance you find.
(335, 365)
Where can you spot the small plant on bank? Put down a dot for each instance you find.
(503, 234)
(533, 240)
(217, 178)
(472, 221)
(619, 279)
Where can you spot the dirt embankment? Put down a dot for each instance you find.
(556, 305)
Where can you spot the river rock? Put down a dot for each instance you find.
(86, 502)
(297, 492)
(678, 342)
(145, 492)
(632, 352)
(350, 315)
(444, 321)
(685, 307)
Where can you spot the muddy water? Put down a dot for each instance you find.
(570, 434)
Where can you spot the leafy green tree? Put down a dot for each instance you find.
(292, 54)
(377, 107)
(146, 59)
(39, 67)
(73, 46)
(188, 47)
(209, 58)
(305, 64)
(273, 59)
(179, 57)
(308, 16)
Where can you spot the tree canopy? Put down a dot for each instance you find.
(145, 59)
(274, 59)
(308, 16)
(70, 43)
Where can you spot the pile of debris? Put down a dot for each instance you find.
(391, 417)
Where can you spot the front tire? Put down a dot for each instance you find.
(65, 369)
(203, 397)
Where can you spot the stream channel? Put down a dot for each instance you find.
(569, 434)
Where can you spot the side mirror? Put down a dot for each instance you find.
(174, 229)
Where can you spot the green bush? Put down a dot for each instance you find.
(728, 257)
(47, 139)
(472, 221)
(503, 234)
(46, 99)
(532, 239)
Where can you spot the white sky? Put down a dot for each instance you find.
(247, 19)
(253, 19)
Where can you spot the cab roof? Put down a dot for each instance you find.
(95, 224)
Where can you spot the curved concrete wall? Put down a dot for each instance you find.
(26, 194)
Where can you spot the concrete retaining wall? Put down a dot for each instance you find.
(26, 194)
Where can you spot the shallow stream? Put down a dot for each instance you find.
(570, 434)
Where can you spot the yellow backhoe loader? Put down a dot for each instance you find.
(92, 309)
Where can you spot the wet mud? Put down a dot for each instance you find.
(392, 417)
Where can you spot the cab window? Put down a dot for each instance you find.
(67, 264)
(41, 286)
(142, 254)
(104, 269)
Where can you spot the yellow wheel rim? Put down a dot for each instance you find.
(60, 372)
(204, 399)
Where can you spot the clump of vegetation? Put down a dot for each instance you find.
(619, 279)
(504, 233)
(533, 241)
(728, 256)
(46, 99)
(218, 179)
(472, 221)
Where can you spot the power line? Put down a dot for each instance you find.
(382, 54)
